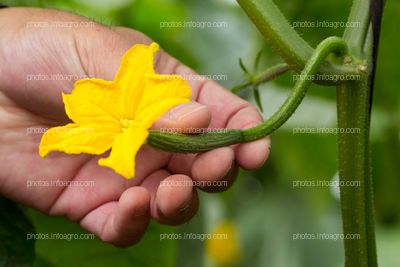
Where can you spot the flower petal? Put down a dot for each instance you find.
(124, 150)
(93, 101)
(136, 63)
(161, 93)
(73, 139)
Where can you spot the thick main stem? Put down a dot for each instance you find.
(355, 174)
(353, 107)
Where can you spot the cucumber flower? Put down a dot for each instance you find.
(223, 248)
(117, 114)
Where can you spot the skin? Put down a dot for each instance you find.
(115, 209)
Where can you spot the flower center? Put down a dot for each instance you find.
(126, 123)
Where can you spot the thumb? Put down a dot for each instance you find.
(183, 118)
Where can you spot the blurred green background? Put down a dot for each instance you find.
(263, 208)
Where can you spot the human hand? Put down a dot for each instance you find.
(116, 210)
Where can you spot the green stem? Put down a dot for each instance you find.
(278, 32)
(353, 107)
(354, 165)
(355, 36)
(329, 45)
(286, 41)
(263, 77)
(197, 143)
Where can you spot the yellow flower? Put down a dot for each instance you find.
(117, 114)
(223, 248)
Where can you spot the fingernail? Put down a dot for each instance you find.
(180, 112)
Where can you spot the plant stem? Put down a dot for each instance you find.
(354, 165)
(197, 143)
(354, 107)
(355, 36)
(263, 77)
(327, 46)
(278, 32)
(286, 41)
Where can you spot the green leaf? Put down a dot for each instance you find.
(15, 249)
(242, 66)
(257, 61)
(257, 98)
